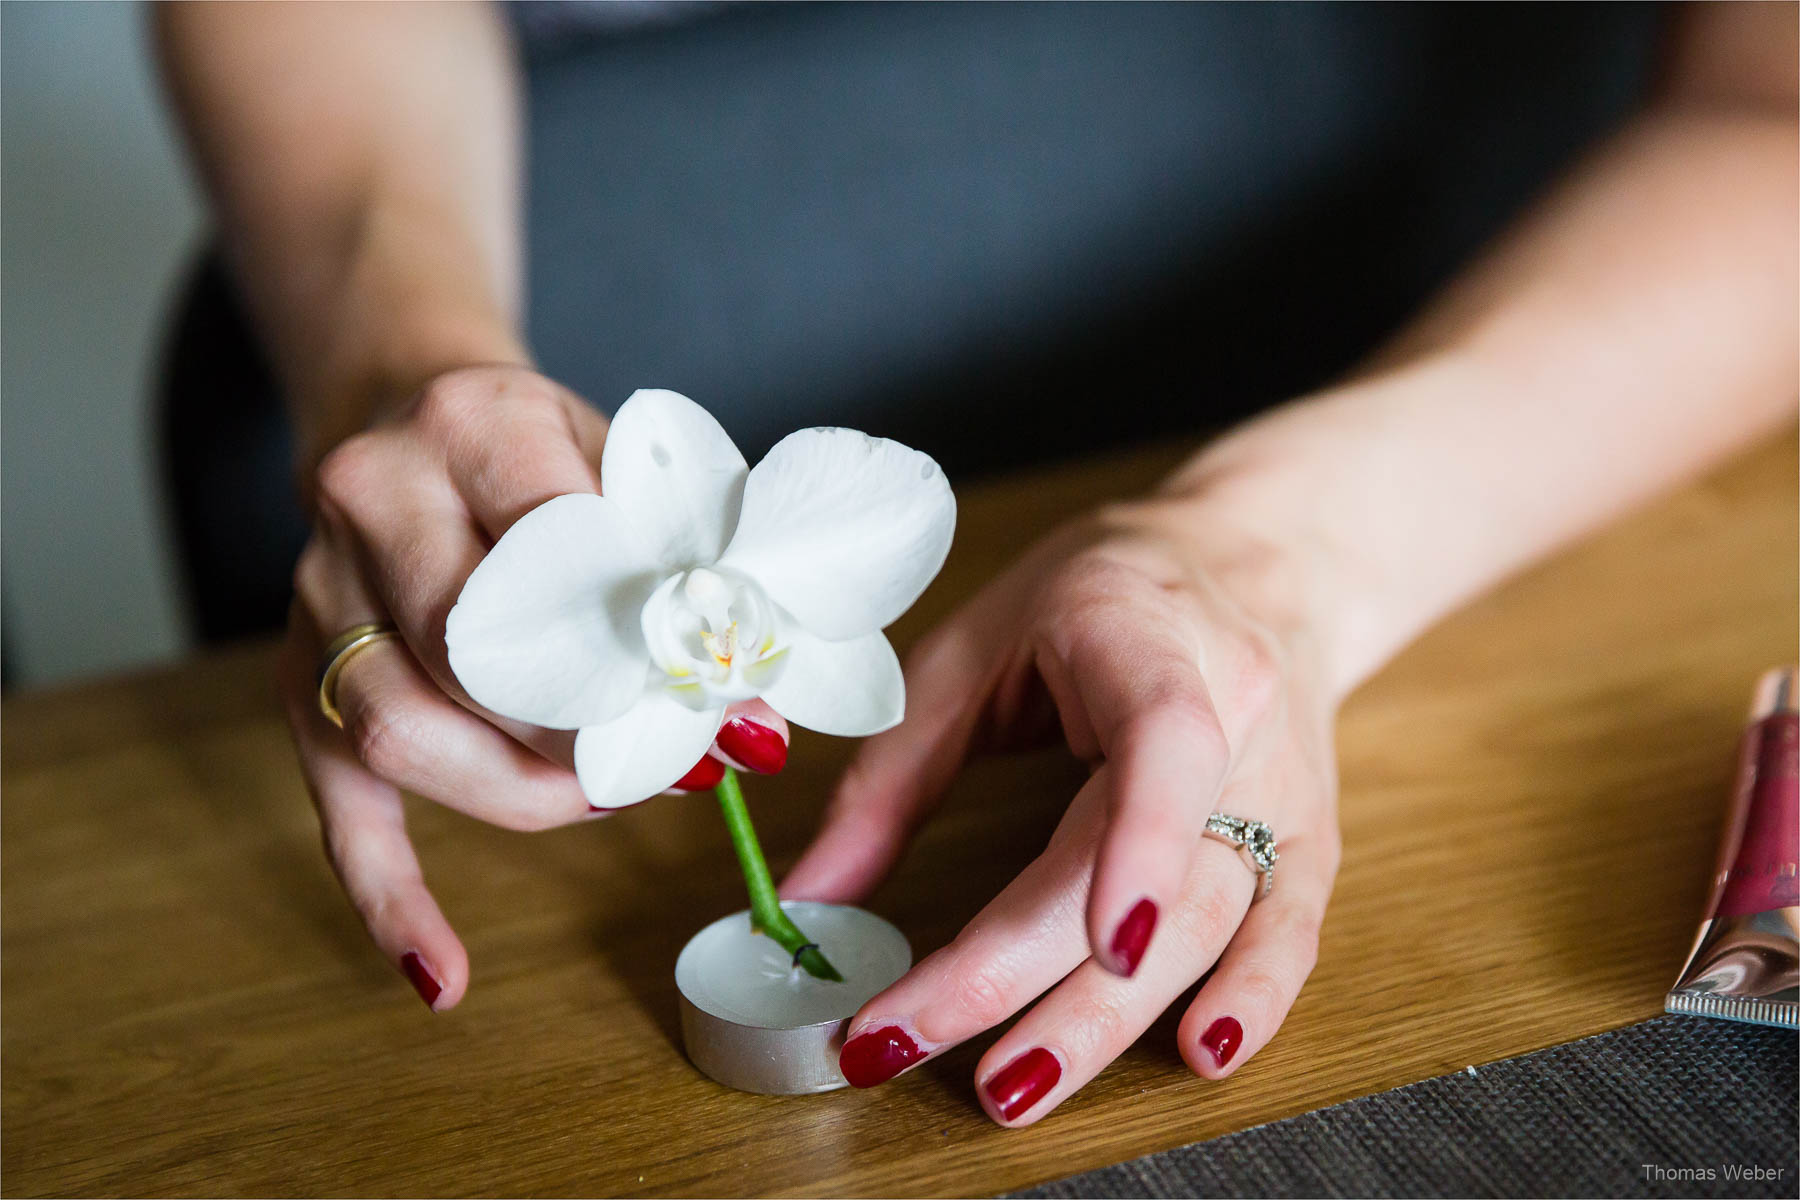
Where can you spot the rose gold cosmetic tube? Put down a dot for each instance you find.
(1745, 965)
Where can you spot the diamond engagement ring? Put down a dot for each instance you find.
(1254, 838)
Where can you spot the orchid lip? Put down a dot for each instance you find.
(714, 637)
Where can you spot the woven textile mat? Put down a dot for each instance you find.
(1677, 1106)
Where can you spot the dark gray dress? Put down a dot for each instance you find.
(1007, 231)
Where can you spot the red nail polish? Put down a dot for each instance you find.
(756, 746)
(1022, 1082)
(1222, 1039)
(877, 1056)
(420, 977)
(704, 777)
(1132, 936)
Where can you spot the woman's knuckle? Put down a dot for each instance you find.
(1207, 918)
(1081, 597)
(536, 398)
(452, 400)
(1261, 989)
(1190, 712)
(1100, 1019)
(1261, 668)
(348, 470)
(983, 997)
(1179, 715)
(1306, 955)
(1297, 928)
(311, 571)
(385, 738)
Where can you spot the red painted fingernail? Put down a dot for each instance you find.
(757, 746)
(877, 1056)
(1022, 1082)
(421, 978)
(704, 777)
(1222, 1038)
(1133, 935)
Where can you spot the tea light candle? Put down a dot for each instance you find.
(754, 1022)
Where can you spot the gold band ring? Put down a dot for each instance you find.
(342, 649)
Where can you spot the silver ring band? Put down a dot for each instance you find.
(1254, 838)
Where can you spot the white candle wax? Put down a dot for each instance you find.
(753, 1021)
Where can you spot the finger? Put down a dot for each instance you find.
(393, 539)
(754, 737)
(512, 442)
(411, 735)
(898, 777)
(1239, 1009)
(1025, 940)
(363, 824)
(1130, 670)
(405, 730)
(1094, 1015)
(703, 776)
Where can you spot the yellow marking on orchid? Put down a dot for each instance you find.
(721, 646)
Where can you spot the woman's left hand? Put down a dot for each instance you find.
(1182, 667)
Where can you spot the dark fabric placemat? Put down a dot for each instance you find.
(1677, 1106)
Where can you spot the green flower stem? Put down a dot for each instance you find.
(766, 915)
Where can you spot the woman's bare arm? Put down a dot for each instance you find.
(363, 161)
(1637, 326)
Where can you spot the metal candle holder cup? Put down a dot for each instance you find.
(752, 1021)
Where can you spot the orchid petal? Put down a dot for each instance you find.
(678, 475)
(645, 751)
(546, 628)
(842, 529)
(850, 689)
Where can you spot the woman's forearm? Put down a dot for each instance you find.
(1636, 327)
(363, 161)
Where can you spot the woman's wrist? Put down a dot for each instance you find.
(1307, 516)
(415, 295)
(364, 381)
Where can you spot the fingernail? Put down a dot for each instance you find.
(1132, 936)
(756, 746)
(878, 1055)
(1022, 1082)
(1222, 1039)
(421, 978)
(704, 777)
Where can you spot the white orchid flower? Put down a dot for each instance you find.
(694, 582)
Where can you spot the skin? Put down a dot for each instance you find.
(1635, 327)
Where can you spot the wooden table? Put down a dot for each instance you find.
(1531, 797)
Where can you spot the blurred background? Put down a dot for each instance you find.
(99, 219)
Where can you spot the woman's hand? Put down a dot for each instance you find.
(1178, 663)
(404, 512)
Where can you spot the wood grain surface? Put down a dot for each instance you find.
(1531, 796)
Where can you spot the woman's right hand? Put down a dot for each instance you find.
(403, 513)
